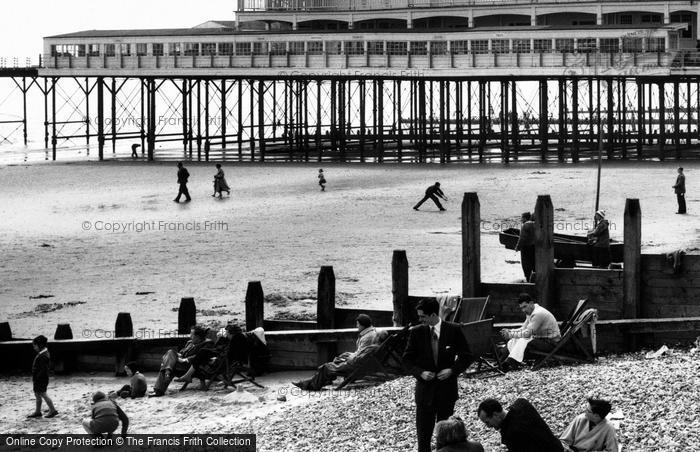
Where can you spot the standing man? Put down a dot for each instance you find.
(599, 237)
(134, 150)
(526, 245)
(436, 353)
(432, 192)
(679, 188)
(182, 176)
(521, 426)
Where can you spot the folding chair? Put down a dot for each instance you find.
(220, 368)
(478, 336)
(576, 350)
(471, 310)
(381, 364)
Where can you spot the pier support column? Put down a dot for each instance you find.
(101, 119)
(574, 121)
(640, 120)
(662, 121)
(471, 245)
(514, 124)
(676, 119)
(544, 120)
(544, 251)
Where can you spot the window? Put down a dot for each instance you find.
(684, 18)
(225, 48)
(158, 49)
(191, 48)
(480, 46)
(610, 45)
(375, 47)
(656, 45)
(397, 47)
(334, 47)
(460, 47)
(521, 46)
(565, 45)
(438, 47)
(110, 50)
(141, 49)
(500, 46)
(651, 19)
(543, 45)
(175, 49)
(242, 48)
(81, 50)
(278, 48)
(208, 48)
(355, 47)
(259, 48)
(314, 48)
(625, 19)
(93, 50)
(587, 45)
(631, 45)
(419, 48)
(53, 50)
(296, 48)
(125, 49)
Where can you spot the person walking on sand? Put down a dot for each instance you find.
(432, 192)
(40, 377)
(679, 188)
(134, 150)
(182, 177)
(220, 184)
(321, 180)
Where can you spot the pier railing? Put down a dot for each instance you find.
(14, 62)
(369, 5)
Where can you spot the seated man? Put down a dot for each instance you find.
(344, 363)
(590, 431)
(137, 387)
(521, 426)
(540, 331)
(199, 349)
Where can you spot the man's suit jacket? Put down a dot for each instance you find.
(453, 352)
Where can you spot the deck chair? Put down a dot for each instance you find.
(220, 368)
(479, 337)
(471, 310)
(571, 347)
(382, 364)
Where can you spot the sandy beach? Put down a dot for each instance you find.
(84, 241)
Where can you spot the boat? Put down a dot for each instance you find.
(567, 248)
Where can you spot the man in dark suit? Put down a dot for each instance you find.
(679, 188)
(436, 353)
(432, 192)
(182, 177)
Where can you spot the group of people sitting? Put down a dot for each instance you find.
(199, 358)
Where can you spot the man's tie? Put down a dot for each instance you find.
(434, 343)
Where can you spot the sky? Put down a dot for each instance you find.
(25, 22)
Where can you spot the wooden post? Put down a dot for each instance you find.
(632, 289)
(544, 251)
(123, 327)
(62, 363)
(5, 332)
(186, 315)
(471, 245)
(399, 287)
(254, 306)
(325, 312)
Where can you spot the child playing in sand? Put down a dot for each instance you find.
(137, 387)
(105, 417)
(321, 180)
(40, 377)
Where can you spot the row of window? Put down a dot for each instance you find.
(568, 45)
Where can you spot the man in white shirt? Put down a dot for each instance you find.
(540, 331)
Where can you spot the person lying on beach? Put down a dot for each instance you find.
(137, 387)
(105, 416)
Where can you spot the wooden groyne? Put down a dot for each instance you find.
(652, 300)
